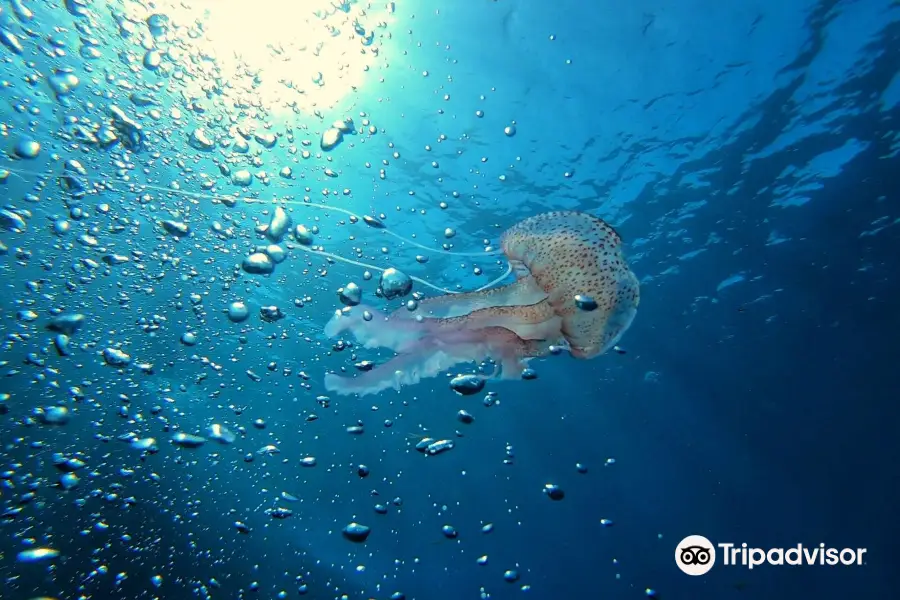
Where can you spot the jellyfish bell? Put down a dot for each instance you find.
(570, 254)
(556, 258)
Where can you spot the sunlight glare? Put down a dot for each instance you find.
(299, 55)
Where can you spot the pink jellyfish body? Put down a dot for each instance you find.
(556, 257)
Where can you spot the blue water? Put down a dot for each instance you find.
(745, 152)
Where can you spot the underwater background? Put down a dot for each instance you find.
(164, 426)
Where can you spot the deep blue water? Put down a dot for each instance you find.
(745, 152)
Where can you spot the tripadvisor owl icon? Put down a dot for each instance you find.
(695, 555)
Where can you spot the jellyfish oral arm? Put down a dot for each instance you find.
(427, 358)
(437, 352)
(520, 307)
(379, 331)
(521, 292)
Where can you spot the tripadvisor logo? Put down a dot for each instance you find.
(696, 555)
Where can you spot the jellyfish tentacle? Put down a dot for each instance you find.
(358, 263)
(207, 196)
(20, 173)
(491, 284)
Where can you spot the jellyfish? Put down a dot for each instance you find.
(556, 257)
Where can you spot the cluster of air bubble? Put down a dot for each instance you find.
(164, 196)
